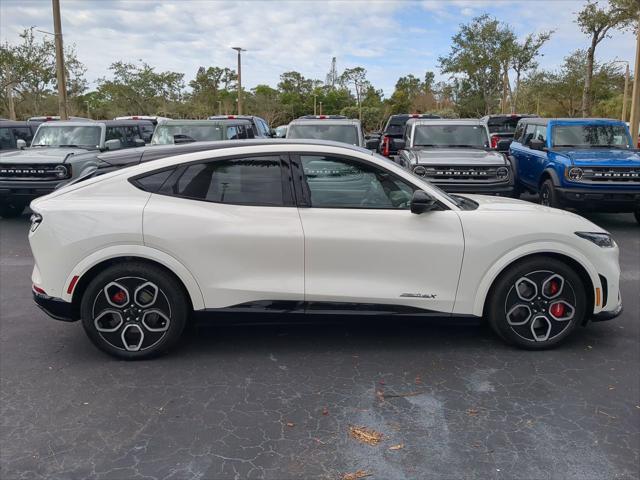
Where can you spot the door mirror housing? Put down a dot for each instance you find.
(113, 144)
(503, 145)
(422, 202)
(139, 142)
(21, 144)
(536, 144)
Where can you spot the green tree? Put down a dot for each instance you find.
(357, 78)
(524, 60)
(597, 22)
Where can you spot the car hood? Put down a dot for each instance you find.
(40, 155)
(459, 156)
(601, 156)
(491, 203)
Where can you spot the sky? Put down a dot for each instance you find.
(388, 38)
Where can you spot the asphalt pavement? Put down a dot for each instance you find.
(278, 402)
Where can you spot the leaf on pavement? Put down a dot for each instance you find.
(399, 446)
(365, 435)
(355, 475)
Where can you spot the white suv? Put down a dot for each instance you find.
(299, 226)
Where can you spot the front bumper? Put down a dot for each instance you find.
(483, 189)
(607, 314)
(609, 200)
(26, 190)
(54, 307)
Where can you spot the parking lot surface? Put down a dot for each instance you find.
(278, 402)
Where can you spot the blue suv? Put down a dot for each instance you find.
(578, 163)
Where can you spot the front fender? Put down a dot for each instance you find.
(530, 249)
(142, 251)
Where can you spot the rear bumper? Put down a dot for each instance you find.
(609, 200)
(54, 307)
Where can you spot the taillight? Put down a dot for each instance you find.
(386, 145)
(494, 141)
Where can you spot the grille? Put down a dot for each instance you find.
(34, 172)
(473, 174)
(611, 175)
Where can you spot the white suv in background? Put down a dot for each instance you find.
(337, 128)
(294, 226)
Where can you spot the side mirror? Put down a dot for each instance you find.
(139, 142)
(421, 202)
(113, 144)
(273, 133)
(21, 144)
(504, 144)
(536, 144)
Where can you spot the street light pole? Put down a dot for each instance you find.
(320, 108)
(315, 97)
(635, 96)
(239, 50)
(60, 73)
(626, 88)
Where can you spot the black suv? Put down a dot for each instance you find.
(12, 131)
(259, 125)
(502, 126)
(394, 131)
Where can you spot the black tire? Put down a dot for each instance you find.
(153, 327)
(536, 329)
(11, 209)
(548, 194)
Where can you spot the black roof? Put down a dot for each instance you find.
(545, 121)
(123, 123)
(413, 115)
(12, 123)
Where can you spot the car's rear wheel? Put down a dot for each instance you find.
(548, 194)
(134, 311)
(537, 303)
(11, 209)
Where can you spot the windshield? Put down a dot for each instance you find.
(469, 136)
(502, 124)
(67, 136)
(586, 136)
(337, 133)
(165, 134)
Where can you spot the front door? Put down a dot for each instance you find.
(364, 246)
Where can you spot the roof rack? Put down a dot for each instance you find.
(323, 117)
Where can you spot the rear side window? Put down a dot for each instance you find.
(246, 181)
(6, 140)
(152, 183)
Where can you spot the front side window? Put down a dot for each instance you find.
(337, 133)
(443, 136)
(344, 183)
(23, 133)
(246, 181)
(540, 133)
(517, 136)
(529, 133)
(116, 133)
(587, 136)
(169, 134)
(67, 136)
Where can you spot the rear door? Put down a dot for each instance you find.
(232, 222)
(364, 246)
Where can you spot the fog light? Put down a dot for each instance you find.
(575, 173)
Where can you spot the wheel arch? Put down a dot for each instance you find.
(576, 261)
(91, 266)
(549, 174)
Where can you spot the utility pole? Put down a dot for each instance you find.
(12, 108)
(635, 96)
(626, 89)
(62, 84)
(320, 108)
(315, 97)
(239, 50)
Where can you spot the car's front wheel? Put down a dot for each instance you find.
(537, 303)
(134, 310)
(548, 194)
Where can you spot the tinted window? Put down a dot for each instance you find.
(23, 133)
(338, 133)
(167, 134)
(517, 136)
(147, 131)
(529, 133)
(250, 181)
(116, 133)
(132, 134)
(502, 124)
(6, 140)
(589, 136)
(342, 183)
(450, 136)
(152, 183)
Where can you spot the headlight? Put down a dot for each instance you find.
(575, 174)
(502, 173)
(61, 171)
(36, 220)
(420, 170)
(603, 240)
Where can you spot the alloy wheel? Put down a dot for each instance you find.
(131, 313)
(540, 305)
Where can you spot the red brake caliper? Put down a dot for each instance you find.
(119, 297)
(553, 287)
(557, 310)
